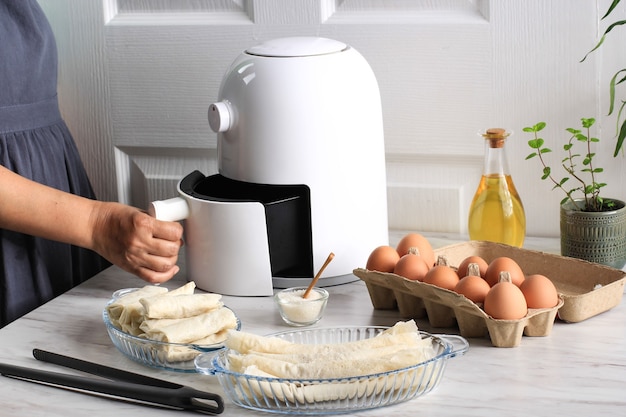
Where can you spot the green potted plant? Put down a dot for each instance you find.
(593, 228)
(618, 78)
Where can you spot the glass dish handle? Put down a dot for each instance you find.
(458, 344)
(204, 362)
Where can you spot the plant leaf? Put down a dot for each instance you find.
(611, 7)
(587, 123)
(601, 41)
(620, 138)
(612, 84)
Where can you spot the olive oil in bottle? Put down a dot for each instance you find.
(496, 213)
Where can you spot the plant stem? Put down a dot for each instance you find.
(594, 194)
(569, 170)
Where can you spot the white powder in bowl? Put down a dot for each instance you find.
(300, 310)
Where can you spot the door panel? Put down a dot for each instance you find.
(137, 77)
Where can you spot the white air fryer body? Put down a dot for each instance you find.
(297, 111)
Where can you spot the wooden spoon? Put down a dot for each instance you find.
(317, 276)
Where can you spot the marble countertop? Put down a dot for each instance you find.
(579, 370)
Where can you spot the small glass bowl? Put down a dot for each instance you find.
(177, 357)
(298, 311)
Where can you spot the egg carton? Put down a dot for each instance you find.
(445, 308)
(585, 290)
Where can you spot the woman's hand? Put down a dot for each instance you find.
(135, 241)
(124, 235)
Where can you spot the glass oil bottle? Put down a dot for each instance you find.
(496, 212)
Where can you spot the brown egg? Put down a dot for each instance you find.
(474, 259)
(539, 291)
(505, 301)
(504, 263)
(442, 276)
(382, 259)
(411, 266)
(421, 243)
(473, 286)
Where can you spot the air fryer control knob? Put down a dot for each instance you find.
(220, 116)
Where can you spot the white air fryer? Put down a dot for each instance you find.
(301, 172)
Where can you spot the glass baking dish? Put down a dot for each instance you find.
(161, 355)
(332, 396)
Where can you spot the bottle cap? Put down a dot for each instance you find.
(496, 136)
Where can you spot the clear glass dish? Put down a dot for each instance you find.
(332, 396)
(161, 355)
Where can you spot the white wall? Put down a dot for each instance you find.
(136, 78)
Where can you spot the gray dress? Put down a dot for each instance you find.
(35, 143)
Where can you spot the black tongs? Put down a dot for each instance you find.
(118, 383)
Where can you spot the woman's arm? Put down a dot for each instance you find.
(124, 235)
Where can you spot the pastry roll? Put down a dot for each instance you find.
(401, 333)
(190, 329)
(127, 308)
(181, 353)
(333, 367)
(338, 355)
(167, 306)
(188, 288)
(126, 313)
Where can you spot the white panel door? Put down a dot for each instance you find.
(137, 77)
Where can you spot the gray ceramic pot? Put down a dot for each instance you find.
(598, 237)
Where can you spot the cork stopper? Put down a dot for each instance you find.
(496, 137)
